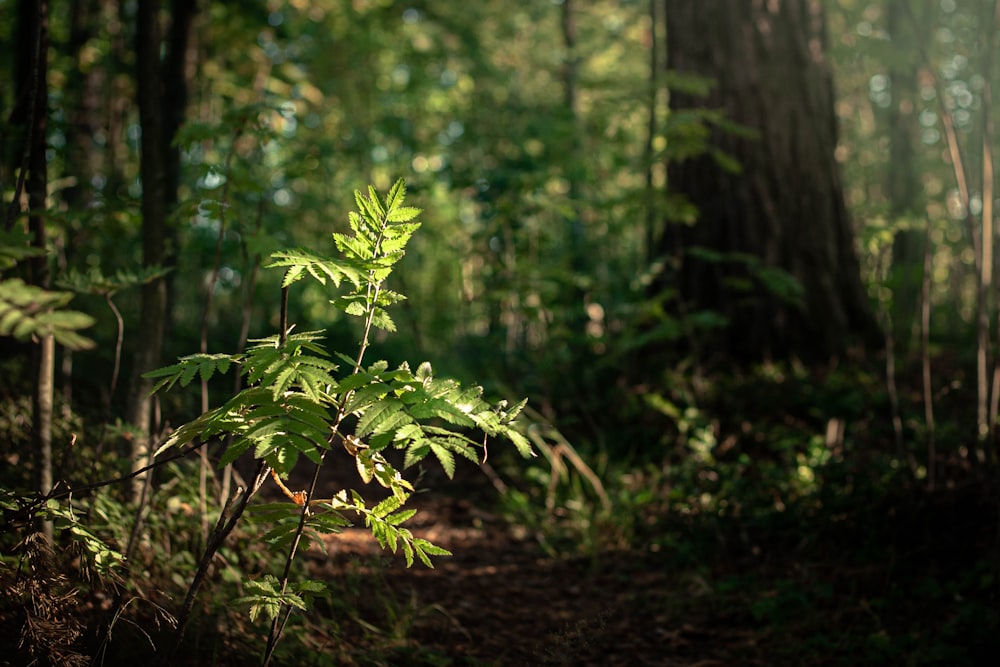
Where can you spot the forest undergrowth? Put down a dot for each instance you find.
(748, 552)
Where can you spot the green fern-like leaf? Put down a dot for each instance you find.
(298, 364)
(186, 368)
(27, 311)
(404, 214)
(353, 247)
(400, 517)
(265, 598)
(396, 195)
(95, 282)
(299, 262)
(15, 245)
(445, 458)
(385, 508)
(366, 396)
(425, 549)
(381, 320)
(384, 414)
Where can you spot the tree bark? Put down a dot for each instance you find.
(84, 105)
(32, 86)
(161, 89)
(153, 170)
(785, 207)
(176, 75)
(903, 182)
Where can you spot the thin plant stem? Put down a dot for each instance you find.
(373, 290)
(992, 43)
(204, 469)
(982, 265)
(15, 204)
(925, 356)
(228, 518)
(57, 493)
(119, 341)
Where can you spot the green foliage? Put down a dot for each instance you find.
(15, 246)
(527, 192)
(265, 596)
(105, 559)
(95, 282)
(27, 311)
(297, 401)
(203, 366)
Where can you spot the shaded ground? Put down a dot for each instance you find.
(501, 600)
(900, 583)
(904, 579)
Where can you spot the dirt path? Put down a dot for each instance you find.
(501, 601)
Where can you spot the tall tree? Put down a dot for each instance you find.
(903, 179)
(783, 208)
(161, 91)
(153, 171)
(32, 112)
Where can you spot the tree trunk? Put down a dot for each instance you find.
(178, 71)
(785, 207)
(161, 88)
(84, 105)
(903, 180)
(33, 94)
(153, 170)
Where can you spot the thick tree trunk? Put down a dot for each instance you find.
(785, 207)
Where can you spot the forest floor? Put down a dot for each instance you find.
(501, 600)
(902, 582)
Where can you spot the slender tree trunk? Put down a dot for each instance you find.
(991, 43)
(153, 170)
(83, 106)
(925, 357)
(652, 125)
(83, 161)
(571, 75)
(903, 187)
(785, 208)
(161, 88)
(32, 86)
(178, 71)
(119, 95)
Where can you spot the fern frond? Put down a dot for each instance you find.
(300, 261)
(397, 193)
(27, 311)
(381, 320)
(366, 396)
(15, 245)
(445, 458)
(403, 214)
(95, 282)
(377, 415)
(186, 368)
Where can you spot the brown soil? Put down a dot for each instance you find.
(500, 600)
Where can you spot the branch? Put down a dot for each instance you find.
(55, 495)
